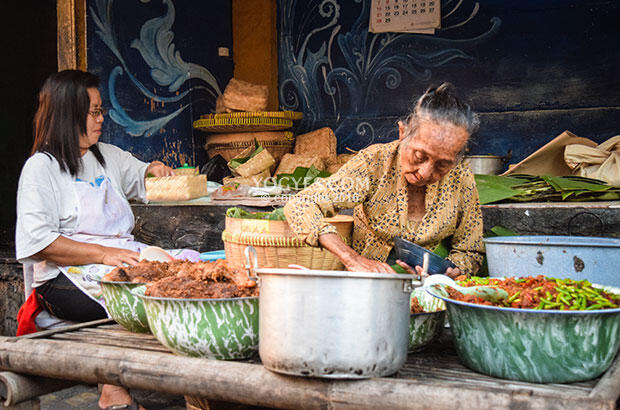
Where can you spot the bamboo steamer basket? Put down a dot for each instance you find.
(277, 246)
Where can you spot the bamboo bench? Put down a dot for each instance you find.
(103, 352)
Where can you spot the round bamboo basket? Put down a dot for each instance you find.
(277, 246)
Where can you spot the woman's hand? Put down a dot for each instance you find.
(159, 169)
(64, 251)
(119, 256)
(417, 271)
(361, 264)
(453, 272)
(353, 262)
(450, 272)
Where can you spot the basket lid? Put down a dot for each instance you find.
(289, 115)
(247, 121)
(242, 124)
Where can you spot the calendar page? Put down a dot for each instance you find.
(410, 16)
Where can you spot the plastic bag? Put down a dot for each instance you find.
(216, 169)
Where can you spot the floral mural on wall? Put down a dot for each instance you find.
(163, 87)
(359, 83)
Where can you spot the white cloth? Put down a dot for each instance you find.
(48, 204)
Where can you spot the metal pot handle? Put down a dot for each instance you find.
(410, 285)
(572, 219)
(251, 263)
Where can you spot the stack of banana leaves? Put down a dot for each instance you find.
(530, 188)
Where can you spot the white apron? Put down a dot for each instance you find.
(104, 217)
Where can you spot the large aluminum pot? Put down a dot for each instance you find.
(333, 324)
(485, 164)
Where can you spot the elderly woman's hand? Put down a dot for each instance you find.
(450, 272)
(159, 169)
(361, 264)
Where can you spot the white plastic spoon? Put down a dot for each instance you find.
(436, 284)
(155, 254)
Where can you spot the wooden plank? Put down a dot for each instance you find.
(216, 380)
(401, 394)
(254, 385)
(46, 333)
(608, 387)
(155, 347)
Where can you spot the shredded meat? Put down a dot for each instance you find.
(189, 287)
(415, 306)
(143, 272)
(184, 279)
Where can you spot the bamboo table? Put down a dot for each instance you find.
(103, 352)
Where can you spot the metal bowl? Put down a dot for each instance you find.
(575, 257)
(426, 326)
(124, 307)
(542, 346)
(223, 329)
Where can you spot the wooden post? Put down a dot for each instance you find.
(255, 45)
(71, 37)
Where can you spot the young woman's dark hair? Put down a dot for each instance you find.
(61, 118)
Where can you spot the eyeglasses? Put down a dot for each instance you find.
(97, 112)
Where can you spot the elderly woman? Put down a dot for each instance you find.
(416, 188)
(73, 209)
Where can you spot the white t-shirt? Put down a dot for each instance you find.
(47, 203)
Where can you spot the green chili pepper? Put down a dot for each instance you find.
(513, 297)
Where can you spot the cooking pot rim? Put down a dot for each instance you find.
(333, 274)
(484, 156)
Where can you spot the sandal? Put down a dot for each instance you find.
(132, 406)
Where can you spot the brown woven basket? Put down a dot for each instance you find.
(277, 246)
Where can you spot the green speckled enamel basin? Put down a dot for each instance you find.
(426, 326)
(542, 346)
(124, 307)
(223, 329)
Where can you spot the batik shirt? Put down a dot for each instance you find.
(372, 184)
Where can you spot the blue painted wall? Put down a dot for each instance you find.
(531, 68)
(160, 71)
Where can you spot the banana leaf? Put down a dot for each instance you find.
(562, 184)
(275, 215)
(499, 230)
(493, 188)
(528, 188)
(301, 177)
(236, 162)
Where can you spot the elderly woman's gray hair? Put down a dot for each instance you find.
(440, 104)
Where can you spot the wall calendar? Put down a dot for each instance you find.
(410, 16)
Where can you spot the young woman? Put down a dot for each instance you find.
(72, 205)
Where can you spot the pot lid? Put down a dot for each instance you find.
(333, 274)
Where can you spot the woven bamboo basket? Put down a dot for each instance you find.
(231, 145)
(277, 246)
